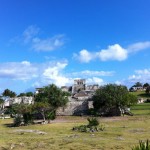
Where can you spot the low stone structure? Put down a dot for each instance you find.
(78, 104)
(74, 107)
(18, 100)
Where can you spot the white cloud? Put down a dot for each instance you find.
(48, 44)
(140, 76)
(26, 63)
(118, 82)
(143, 72)
(30, 33)
(18, 70)
(138, 46)
(84, 56)
(41, 74)
(53, 74)
(87, 73)
(33, 38)
(114, 52)
(95, 80)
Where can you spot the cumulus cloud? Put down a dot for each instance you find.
(84, 56)
(41, 74)
(113, 52)
(95, 80)
(18, 70)
(53, 74)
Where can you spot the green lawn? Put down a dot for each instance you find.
(141, 94)
(141, 109)
(120, 133)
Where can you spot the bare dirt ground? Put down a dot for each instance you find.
(74, 119)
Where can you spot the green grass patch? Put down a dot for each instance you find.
(141, 94)
(141, 109)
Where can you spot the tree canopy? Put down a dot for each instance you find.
(113, 95)
(52, 95)
(145, 85)
(138, 84)
(26, 94)
(49, 99)
(9, 93)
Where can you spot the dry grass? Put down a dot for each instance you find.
(120, 133)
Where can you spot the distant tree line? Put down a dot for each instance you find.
(145, 86)
(11, 94)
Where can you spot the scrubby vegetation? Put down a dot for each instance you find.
(93, 126)
(142, 146)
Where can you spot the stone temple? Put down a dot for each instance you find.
(80, 99)
(79, 102)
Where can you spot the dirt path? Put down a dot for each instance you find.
(74, 119)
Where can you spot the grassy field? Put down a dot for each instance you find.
(121, 133)
(141, 109)
(141, 94)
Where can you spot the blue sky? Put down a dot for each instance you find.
(57, 41)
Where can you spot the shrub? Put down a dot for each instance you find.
(93, 122)
(17, 121)
(50, 116)
(93, 126)
(142, 146)
(28, 118)
(93, 112)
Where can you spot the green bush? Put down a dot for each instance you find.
(93, 112)
(93, 126)
(17, 121)
(93, 122)
(50, 115)
(142, 146)
(28, 119)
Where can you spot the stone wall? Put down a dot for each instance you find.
(74, 107)
(18, 100)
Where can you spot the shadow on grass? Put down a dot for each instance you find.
(9, 125)
(144, 95)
